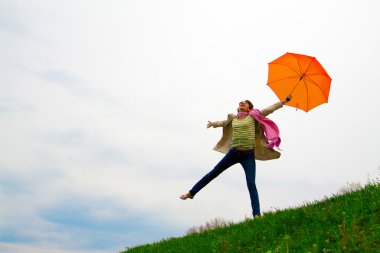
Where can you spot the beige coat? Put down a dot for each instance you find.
(262, 152)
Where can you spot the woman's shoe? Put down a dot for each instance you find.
(186, 196)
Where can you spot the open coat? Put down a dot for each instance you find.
(262, 151)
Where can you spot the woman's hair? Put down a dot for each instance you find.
(249, 103)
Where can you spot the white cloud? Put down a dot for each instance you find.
(103, 113)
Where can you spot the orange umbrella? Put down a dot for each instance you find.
(302, 77)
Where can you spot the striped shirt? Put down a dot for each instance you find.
(243, 132)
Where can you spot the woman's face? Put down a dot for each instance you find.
(243, 107)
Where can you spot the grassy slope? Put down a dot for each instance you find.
(343, 223)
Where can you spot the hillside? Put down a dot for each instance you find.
(347, 222)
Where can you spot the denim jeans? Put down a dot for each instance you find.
(247, 160)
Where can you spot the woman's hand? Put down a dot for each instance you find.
(209, 124)
(287, 99)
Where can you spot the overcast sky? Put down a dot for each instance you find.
(104, 106)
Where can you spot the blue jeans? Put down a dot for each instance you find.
(247, 160)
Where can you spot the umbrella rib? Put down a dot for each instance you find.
(307, 95)
(295, 86)
(285, 78)
(319, 88)
(299, 65)
(319, 74)
(310, 64)
(294, 70)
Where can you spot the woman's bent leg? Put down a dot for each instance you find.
(228, 160)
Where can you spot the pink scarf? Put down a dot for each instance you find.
(271, 131)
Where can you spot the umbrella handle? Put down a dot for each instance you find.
(287, 99)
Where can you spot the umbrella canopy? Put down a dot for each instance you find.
(302, 77)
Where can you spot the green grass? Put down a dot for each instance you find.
(341, 223)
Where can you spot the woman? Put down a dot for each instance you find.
(246, 137)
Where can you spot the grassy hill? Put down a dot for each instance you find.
(348, 222)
